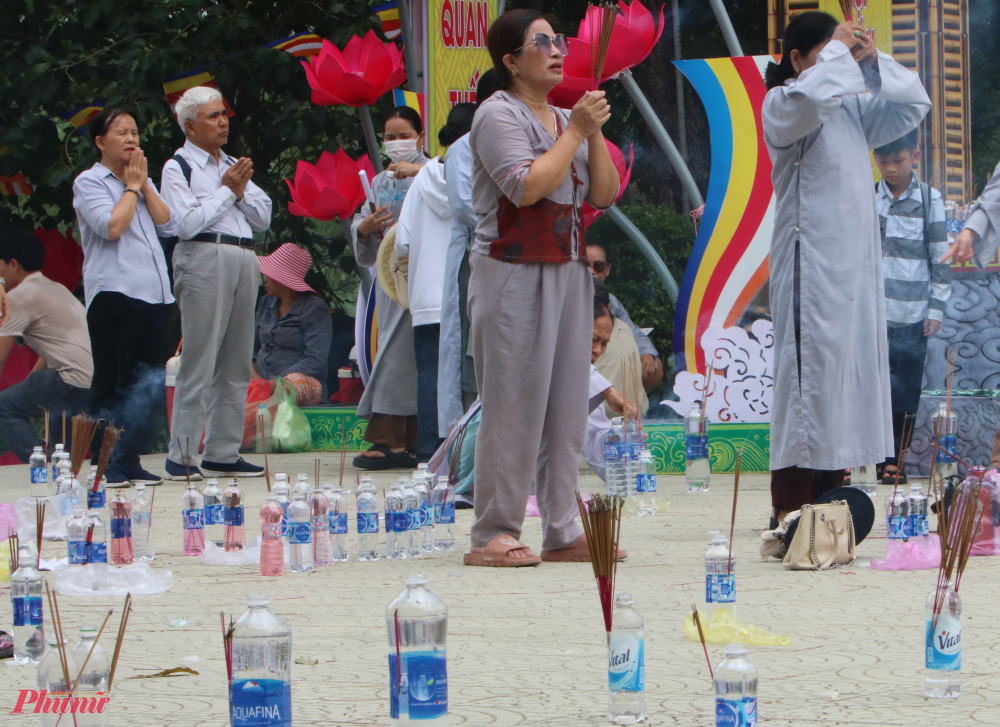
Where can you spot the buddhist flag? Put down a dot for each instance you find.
(16, 186)
(175, 86)
(299, 45)
(389, 15)
(409, 98)
(79, 117)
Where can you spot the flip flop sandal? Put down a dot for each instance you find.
(391, 461)
(576, 553)
(496, 554)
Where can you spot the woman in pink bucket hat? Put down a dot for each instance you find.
(293, 331)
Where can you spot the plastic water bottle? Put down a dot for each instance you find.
(52, 678)
(96, 496)
(396, 523)
(142, 522)
(57, 452)
(260, 692)
(633, 445)
(40, 483)
(443, 501)
(919, 527)
(26, 598)
(319, 508)
(720, 575)
(76, 536)
(896, 515)
(626, 664)
(946, 423)
(215, 520)
(96, 548)
(616, 459)
(736, 689)
(338, 522)
(281, 490)
(272, 558)
(92, 679)
(413, 516)
(193, 520)
(417, 622)
(300, 535)
(645, 484)
(943, 642)
(425, 535)
(232, 516)
(698, 471)
(67, 484)
(863, 477)
(301, 485)
(367, 520)
(121, 529)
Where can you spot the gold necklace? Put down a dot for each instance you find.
(555, 125)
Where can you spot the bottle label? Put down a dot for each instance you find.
(39, 474)
(895, 528)
(626, 663)
(918, 526)
(367, 523)
(141, 518)
(645, 483)
(284, 519)
(944, 644)
(338, 524)
(98, 553)
(27, 610)
(426, 516)
(260, 703)
(397, 522)
(696, 446)
(736, 712)
(213, 515)
(720, 588)
(299, 533)
(233, 516)
(77, 550)
(193, 519)
(947, 446)
(413, 519)
(271, 530)
(423, 693)
(121, 527)
(20, 611)
(419, 517)
(444, 513)
(614, 451)
(96, 499)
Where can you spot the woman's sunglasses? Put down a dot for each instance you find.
(599, 266)
(544, 44)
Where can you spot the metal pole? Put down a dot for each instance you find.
(687, 181)
(727, 28)
(369, 128)
(679, 77)
(501, 7)
(409, 58)
(640, 241)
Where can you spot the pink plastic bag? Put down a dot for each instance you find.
(913, 554)
(8, 519)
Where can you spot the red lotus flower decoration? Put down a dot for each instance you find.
(632, 40)
(329, 189)
(63, 257)
(365, 70)
(590, 215)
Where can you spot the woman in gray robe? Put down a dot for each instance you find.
(390, 399)
(832, 98)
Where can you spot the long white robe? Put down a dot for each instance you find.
(831, 406)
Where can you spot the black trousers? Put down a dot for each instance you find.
(793, 487)
(425, 346)
(907, 352)
(128, 339)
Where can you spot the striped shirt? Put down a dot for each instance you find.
(916, 284)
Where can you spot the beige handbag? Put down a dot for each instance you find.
(824, 538)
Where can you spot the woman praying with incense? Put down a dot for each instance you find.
(832, 97)
(530, 295)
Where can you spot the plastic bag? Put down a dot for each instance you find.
(8, 519)
(214, 555)
(290, 431)
(913, 554)
(99, 579)
(258, 392)
(725, 627)
(57, 509)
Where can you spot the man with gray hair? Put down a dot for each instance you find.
(216, 279)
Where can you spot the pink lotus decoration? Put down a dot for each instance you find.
(632, 40)
(329, 189)
(590, 215)
(365, 70)
(63, 257)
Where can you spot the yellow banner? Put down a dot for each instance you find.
(456, 57)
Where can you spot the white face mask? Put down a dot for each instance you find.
(403, 150)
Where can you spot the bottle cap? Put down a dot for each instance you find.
(623, 599)
(736, 649)
(416, 579)
(257, 599)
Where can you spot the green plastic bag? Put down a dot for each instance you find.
(290, 429)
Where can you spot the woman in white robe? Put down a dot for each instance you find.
(832, 98)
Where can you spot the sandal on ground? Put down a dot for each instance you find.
(391, 461)
(497, 552)
(578, 552)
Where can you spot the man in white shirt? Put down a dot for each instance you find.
(54, 324)
(216, 278)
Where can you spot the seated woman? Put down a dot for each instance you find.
(293, 330)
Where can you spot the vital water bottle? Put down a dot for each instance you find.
(193, 520)
(720, 575)
(863, 478)
(918, 525)
(417, 623)
(943, 642)
(272, 558)
(76, 537)
(215, 522)
(698, 470)
(443, 501)
(338, 523)
(232, 517)
(260, 692)
(319, 508)
(736, 689)
(40, 482)
(367, 521)
(626, 664)
(142, 524)
(300, 535)
(26, 599)
(645, 483)
(616, 459)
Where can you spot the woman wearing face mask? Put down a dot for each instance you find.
(390, 399)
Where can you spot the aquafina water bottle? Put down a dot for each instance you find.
(26, 598)
(412, 536)
(300, 535)
(40, 486)
(698, 470)
(645, 483)
(443, 501)
(396, 523)
(338, 522)
(425, 534)
(720, 575)
(260, 692)
(736, 689)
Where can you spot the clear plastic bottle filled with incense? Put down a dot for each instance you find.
(121, 529)
(944, 424)
(232, 515)
(698, 470)
(943, 623)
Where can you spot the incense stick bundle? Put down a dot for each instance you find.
(604, 13)
(83, 434)
(60, 639)
(13, 545)
(121, 636)
(701, 634)
(227, 643)
(949, 380)
(602, 518)
(108, 442)
(957, 533)
(847, 8)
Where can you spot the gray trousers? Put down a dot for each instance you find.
(531, 331)
(216, 290)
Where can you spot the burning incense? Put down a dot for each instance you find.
(732, 524)
(111, 434)
(605, 13)
(701, 634)
(602, 518)
(83, 434)
(956, 532)
(263, 444)
(121, 636)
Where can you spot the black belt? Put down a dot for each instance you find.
(219, 239)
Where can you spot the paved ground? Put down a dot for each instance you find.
(526, 646)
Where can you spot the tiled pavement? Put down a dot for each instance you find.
(526, 646)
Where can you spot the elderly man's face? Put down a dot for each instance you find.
(211, 129)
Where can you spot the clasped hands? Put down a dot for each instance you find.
(861, 44)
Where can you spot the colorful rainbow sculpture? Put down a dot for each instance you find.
(729, 263)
